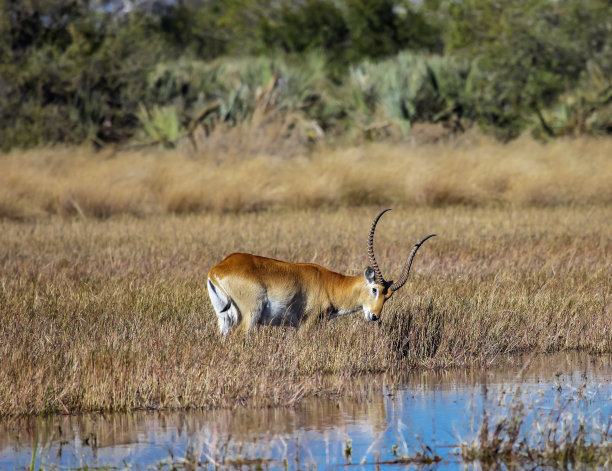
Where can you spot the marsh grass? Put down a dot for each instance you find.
(558, 437)
(471, 170)
(114, 315)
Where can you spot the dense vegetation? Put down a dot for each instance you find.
(96, 71)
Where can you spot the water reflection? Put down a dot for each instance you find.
(433, 409)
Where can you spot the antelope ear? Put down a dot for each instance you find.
(369, 275)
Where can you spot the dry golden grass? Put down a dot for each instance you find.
(472, 170)
(113, 314)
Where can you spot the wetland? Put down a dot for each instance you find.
(561, 404)
(110, 354)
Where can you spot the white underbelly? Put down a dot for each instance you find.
(281, 313)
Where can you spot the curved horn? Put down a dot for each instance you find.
(377, 274)
(402, 279)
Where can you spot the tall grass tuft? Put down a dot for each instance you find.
(554, 438)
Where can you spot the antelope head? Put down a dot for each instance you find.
(378, 290)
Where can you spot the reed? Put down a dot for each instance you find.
(558, 436)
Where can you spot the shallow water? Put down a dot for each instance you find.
(431, 411)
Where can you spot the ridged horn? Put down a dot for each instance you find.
(404, 276)
(377, 274)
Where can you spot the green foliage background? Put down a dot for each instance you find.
(78, 71)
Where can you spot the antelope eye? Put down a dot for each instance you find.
(374, 291)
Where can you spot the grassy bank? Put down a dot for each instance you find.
(473, 170)
(113, 314)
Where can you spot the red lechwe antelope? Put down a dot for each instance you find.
(248, 289)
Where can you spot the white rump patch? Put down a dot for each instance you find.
(227, 313)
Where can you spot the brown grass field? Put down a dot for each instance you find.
(103, 303)
(472, 170)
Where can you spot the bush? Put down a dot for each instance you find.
(413, 87)
(73, 72)
(527, 54)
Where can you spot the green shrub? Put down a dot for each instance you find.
(71, 72)
(412, 87)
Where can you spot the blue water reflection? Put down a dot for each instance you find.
(431, 413)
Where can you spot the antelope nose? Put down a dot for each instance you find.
(374, 317)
